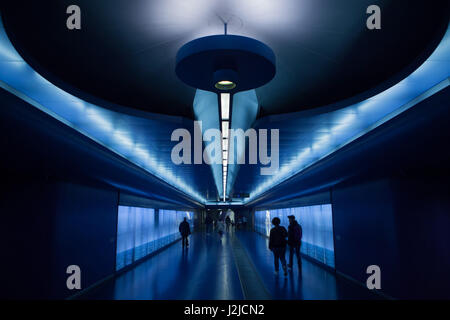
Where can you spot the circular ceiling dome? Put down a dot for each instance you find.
(225, 63)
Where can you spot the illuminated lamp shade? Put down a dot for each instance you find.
(225, 79)
(225, 63)
(225, 85)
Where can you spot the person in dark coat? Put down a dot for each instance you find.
(185, 231)
(294, 241)
(277, 244)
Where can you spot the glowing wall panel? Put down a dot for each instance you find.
(317, 225)
(142, 231)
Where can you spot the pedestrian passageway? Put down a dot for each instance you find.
(236, 266)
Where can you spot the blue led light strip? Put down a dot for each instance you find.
(95, 122)
(358, 119)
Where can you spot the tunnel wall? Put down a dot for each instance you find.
(84, 234)
(393, 210)
(143, 231)
(25, 242)
(423, 207)
(49, 226)
(55, 207)
(365, 231)
(401, 224)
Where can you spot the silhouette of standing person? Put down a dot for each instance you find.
(185, 231)
(228, 222)
(294, 241)
(277, 244)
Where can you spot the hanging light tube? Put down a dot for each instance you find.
(225, 125)
(225, 106)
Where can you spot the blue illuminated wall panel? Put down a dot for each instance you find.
(142, 231)
(317, 225)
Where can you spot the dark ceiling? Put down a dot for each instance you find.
(124, 55)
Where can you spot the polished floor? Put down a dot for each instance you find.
(234, 267)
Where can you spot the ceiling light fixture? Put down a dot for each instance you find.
(225, 85)
(225, 64)
(225, 106)
(225, 129)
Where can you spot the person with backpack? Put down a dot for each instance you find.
(294, 241)
(277, 244)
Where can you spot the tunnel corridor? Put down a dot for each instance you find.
(208, 270)
(125, 125)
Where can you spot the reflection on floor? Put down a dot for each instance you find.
(208, 271)
(312, 283)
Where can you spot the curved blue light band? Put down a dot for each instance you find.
(95, 122)
(356, 120)
(17, 77)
